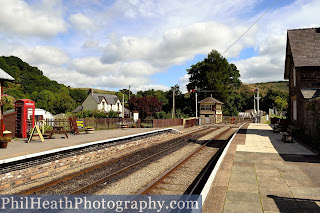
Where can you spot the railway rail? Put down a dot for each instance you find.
(81, 182)
(172, 182)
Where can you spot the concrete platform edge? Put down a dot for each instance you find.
(8, 160)
(208, 184)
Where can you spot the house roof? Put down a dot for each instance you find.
(5, 76)
(78, 109)
(111, 99)
(303, 45)
(210, 100)
(310, 93)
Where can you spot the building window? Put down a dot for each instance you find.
(118, 107)
(294, 109)
(103, 106)
(206, 107)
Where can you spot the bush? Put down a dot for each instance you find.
(47, 128)
(91, 113)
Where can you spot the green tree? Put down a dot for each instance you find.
(269, 100)
(45, 100)
(219, 77)
(281, 103)
(78, 95)
(64, 102)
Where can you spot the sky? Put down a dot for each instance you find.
(149, 44)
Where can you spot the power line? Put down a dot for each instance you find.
(250, 27)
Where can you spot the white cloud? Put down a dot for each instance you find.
(183, 81)
(121, 81)
(69, 77)
(271, 38)
(42, 55)
(151, 86)
(259, 69)
(16, 16)
(176, 45)
(82, 22)
(90, 44)
(93, 66)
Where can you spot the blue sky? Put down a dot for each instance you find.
(149, 44)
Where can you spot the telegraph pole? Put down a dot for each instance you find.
(196, 103)
(254, 108)
(122, 108)
(258, 109)
(129, 94)
(173, 102)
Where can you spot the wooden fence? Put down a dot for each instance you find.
(97, 123)
(112, 123)
(159, 123)
(190, 123)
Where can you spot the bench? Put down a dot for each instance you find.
(57, 130)
(276, 128)
(286, 137)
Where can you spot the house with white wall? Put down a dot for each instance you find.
(102, 102)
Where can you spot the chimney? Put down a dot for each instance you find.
(90, 91)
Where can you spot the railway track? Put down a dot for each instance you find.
(82, 181)
(186, 176)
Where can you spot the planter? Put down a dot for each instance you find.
(89, 130)
(124, 126)
(3, 144)
(7, 134)
(274, 120)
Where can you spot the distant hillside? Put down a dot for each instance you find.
(264, 87)
(99, 91)
(30, 83)
(27, 78)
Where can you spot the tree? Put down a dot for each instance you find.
(269, 100)
(219, 77)
(45, 100)
(146, 106)
(78, 95)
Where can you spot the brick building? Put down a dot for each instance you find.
(302, 68)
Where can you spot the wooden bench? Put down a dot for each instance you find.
(57, 130)
(286, 137)
(276, 128)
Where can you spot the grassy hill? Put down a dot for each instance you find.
(98, 91)
(264, 87)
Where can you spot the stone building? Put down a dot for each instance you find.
(302, 69)
(210, 110)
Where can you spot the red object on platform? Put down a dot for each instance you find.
(25, 109)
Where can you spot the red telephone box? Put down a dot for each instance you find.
(25, 109)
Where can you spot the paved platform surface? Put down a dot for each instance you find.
(260, 173)
(19, 147)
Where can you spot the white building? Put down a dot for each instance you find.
(103, 102)
(41, 114)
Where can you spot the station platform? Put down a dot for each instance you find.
(261, 173)
(18, 147)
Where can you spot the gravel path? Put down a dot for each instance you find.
(134, 182)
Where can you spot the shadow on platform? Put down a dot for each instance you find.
(286, 204)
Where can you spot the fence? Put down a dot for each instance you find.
(190, 123)
(112, 123)
(97, 123)
(158, 123)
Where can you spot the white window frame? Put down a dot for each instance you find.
(294, 75)
(294, 109)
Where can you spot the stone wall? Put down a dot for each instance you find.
(28, 175)
(312, 118)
